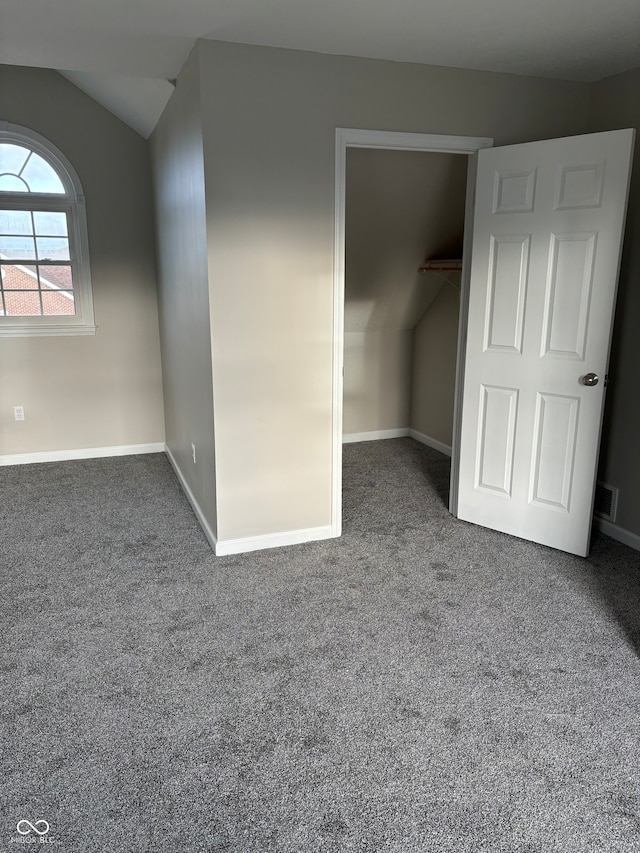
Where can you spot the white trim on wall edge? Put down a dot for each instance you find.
(430, 442)
(195, 506)
(617, 533)
(81, 453)
(273, 540)
(358, 138)
(374, 435)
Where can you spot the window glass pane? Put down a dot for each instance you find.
(39, 211)
(12, 157)
(41, 177)
(22, 303)
(58, 276)
(53, 248)
(11, 184)
(16, 248)
(15, 222)
(19, 277)
(49, 224)
(58, 302)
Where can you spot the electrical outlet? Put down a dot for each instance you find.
(193, 452)
(18, 413)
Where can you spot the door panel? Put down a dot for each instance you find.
(508, 266)
(554, 441)
(568, 294)
(547, 233)
(496, 436)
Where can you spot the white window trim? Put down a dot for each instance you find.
(73, 203)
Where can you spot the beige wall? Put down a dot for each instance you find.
(434, 364)
(401, 207)
(615, 103)
(269, 119)
(378, 367)
(183, 289)
(101, 390)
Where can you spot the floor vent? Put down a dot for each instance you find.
(606, 502)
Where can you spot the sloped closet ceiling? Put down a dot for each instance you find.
(402, 206)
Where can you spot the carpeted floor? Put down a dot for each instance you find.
(418, 685)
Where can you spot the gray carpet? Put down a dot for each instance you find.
(418, 685)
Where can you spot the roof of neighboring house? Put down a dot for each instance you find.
(20, 287)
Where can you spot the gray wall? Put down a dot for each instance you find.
(269, 119)
(401, 207)
(615, 103)
(102, 390)
(183, 289)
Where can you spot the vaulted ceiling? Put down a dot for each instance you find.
(582, 40)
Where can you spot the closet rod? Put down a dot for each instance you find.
(444, 265)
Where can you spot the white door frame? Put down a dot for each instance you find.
(393, 141)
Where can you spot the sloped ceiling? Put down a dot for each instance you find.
(582, 40)
(137, 101)
(401, 207)
(572, 39)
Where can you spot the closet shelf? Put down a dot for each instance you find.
(441, 265)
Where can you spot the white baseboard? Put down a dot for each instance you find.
(374, 435)
(617, 533)
(224, 547)
(273, 540)
(430, 442)
(195, 506)
(402, 432)
(81, 453)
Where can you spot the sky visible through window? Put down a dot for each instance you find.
(24, 171)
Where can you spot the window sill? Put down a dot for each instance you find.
(29, 331)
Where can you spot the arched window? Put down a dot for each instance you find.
(45, 286)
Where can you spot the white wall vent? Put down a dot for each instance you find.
(606, 502)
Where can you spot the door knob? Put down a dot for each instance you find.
(590, 379)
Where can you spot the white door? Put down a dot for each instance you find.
(547, 233)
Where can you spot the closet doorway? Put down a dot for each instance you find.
(400, 201)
